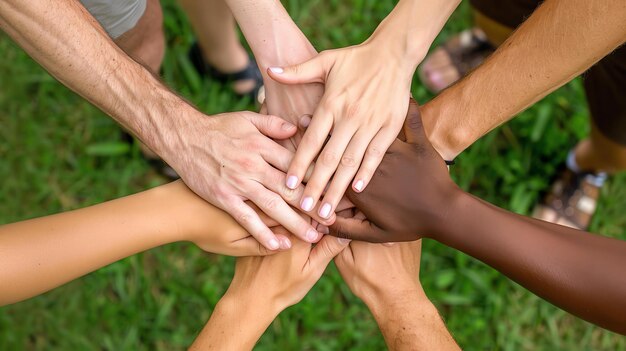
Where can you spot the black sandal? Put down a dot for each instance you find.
(250, 72)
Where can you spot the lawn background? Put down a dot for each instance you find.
(57, 153)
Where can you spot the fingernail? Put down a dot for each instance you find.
(292, 182)
(307, 203)
(305, 121)
(273, 244)
(322, 229)
(277, 70)
(287, 126)
(325, 210)
(358, 186)
(311, 235)
(343, 241)
(285, 244)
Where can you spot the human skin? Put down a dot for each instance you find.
(413, 197)
(40, 254)
(367, 87)
(261, 289)
(226, 158)
(558, 42)
(386, 278)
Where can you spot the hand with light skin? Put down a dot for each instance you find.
(412, 196)
(43, 253)
(386, 278)
(261, 289)
(364, 103)
(226, 159)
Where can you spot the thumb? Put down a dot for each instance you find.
(312, 71)
(272, 126)
(413, 127)
(326, 250)
(358, 229)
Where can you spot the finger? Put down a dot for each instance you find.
(311, 71)
(263, 109)
(249, 246)
(274, 180)
(311, 144)
(274, 206)
(357, 229)
(327, 162)
(276, 155)
(413, 127)
(373, 156)
(272, 126)
(325, 251)
(345, 173)
(269, 221)
(250, 221)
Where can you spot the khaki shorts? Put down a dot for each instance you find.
(116, 16)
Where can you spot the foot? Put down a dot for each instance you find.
(454, 59)
(573, 198)
(230, 62)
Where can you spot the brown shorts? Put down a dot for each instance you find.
(605, 83)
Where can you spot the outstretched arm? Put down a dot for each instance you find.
(226, 159)
(40, 254)
(386, 278)
(261, 288)
(412, 196)
(559, 41)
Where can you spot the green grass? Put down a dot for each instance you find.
(57, 153)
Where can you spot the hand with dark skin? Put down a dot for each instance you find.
(411, 196)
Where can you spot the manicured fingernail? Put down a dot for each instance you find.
(311, 235)
(307, 203)
(325, 210)
(292, 182)
(273, 244)
(285, 244)
(358, 186)
(277, 70)
(287, 126)
(305, 121)
(343, 241)
(322, 229)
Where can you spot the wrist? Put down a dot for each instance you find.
(256, 310)
(387, 302)
(447, 136)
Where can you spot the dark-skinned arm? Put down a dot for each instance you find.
(412, 196)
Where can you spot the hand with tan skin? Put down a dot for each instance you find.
(411, 197)
(40, 254)
(261, 288)
(364, 103)
(386, 278)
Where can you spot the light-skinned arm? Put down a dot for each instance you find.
(412, 196)
(261, 289)
(40, 254)
(559, 41)
(226, 158)
(386, 278)
(367, 87)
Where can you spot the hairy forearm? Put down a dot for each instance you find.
(577, 271)
(40, 254)
(559, 41)
(66, 40)
(409, 321)
(236, 324)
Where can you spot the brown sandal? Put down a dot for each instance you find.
(465, 51)
(572, 200)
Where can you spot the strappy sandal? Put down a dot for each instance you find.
(465, 51)
(251, 72)
(572, 200)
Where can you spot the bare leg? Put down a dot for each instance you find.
(598, 153)
(216, 30)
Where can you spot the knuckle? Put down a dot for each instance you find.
(349, 160)
(374, 152)
(353, 110)
(290, 195)
(271, 202)
(328, 158)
